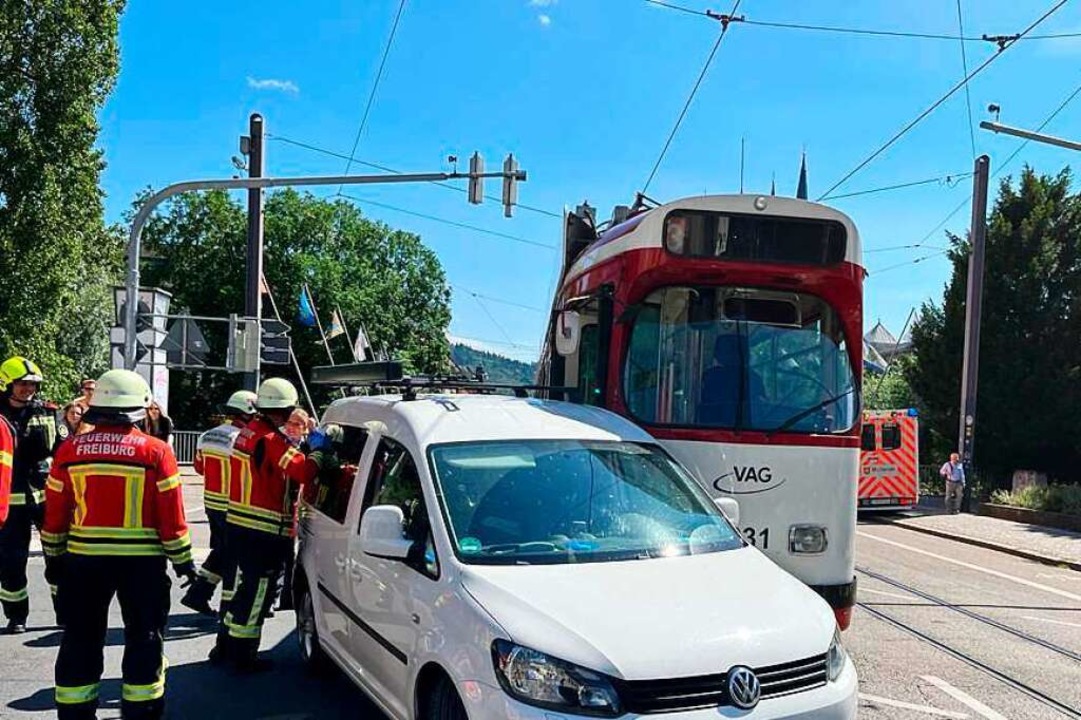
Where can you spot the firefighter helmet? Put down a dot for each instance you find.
(120, 395)
(242, 402)
(276, 394)
(18, 368)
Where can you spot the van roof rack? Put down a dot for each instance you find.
(388, 376)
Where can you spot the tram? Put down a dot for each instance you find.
(729, 327)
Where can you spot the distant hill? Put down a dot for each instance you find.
(499, 368)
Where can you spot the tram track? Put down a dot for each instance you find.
(1063, 708)
(979, 617)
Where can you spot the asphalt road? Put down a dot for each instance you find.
(944, 630)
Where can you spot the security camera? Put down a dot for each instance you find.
(994, 110)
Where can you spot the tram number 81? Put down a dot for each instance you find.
(759, 537)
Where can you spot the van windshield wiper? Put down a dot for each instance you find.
(809, 411)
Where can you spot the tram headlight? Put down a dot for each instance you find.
(835, 659)
(807, 539)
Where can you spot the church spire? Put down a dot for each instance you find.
(801, 189)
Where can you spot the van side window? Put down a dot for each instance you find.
(329, 493)
(891, 436)
(867, 438)
(394, 481)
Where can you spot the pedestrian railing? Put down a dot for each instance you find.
(184, 445)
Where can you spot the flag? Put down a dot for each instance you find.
(305, 310)
(361, 346)
(336, 327)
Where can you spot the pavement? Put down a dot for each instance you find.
(1034, 542)
(943, 629)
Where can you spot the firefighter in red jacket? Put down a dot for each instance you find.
(113, 515)
(266, 472)
(212, 454)
(7, 459)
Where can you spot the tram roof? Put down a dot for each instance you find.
(645, 229)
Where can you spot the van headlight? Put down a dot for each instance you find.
(835, 659)
(544, 681)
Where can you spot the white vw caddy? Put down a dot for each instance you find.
(473, 556)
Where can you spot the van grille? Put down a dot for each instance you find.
(704, 691)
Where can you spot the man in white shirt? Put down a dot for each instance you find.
(954, 474)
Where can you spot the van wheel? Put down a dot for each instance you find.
(444, 703)
(311, 654)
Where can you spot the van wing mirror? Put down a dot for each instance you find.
(730, 508)
(568, 332)
(381, 533)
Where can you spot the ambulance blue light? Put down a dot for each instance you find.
(913, 412)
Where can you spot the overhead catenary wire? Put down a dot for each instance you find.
(501, 301)
(385, 168)
(948, 180)
(1002, 166)
(964, 69)
(935, 105)
(871, 32)
(445, 221)
(690, 99)
(499, 326)
(375, 87)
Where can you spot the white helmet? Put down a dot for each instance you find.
(120, 394)
(242, 402)
(276, 394)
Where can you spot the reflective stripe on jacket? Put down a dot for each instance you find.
(115, 491)
(212, 454)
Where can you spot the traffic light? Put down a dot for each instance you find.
(275, 343)
(510, 185)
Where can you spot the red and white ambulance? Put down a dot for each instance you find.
(889, 460)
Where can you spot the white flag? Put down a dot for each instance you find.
(361, 346)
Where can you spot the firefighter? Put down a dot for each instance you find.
(114, 515)
(212, 455)
(267, 472)
(37, 431)
(7, 455)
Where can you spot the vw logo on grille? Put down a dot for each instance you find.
(743, 687)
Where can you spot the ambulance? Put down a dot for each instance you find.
(889, 460)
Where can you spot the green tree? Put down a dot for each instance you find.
(58, 62)
(385, 278)
(1030, 363)
(889, 391)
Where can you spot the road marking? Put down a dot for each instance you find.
(883, 593)
(1053, 622)
(970, 566)
(926, 709)
(964, 698)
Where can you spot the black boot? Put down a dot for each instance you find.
(198, 597)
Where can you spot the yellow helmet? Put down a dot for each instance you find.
(242, 402)
(19, 368)
(120, 394)
(276, 394)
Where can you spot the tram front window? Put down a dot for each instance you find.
(741, 359)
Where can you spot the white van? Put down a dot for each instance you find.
(489, 557)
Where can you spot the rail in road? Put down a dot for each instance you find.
(981, 609)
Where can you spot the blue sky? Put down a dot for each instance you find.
(584, 92)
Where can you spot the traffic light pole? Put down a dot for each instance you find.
(973, 303)
(253, 300)
(148, 206)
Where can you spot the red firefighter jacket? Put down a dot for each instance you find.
(212, 455)
(7, 459)
(266, 474)
(115, 491)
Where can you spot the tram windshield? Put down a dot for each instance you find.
(741, 359)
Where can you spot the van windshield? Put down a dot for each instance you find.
(570, 501)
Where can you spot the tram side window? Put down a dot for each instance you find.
(891, 436)
(867, 438)
(587, 365)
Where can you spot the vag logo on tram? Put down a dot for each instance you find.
(749, 473)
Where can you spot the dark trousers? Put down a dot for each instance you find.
(259, 558)
(14, 552)
(219, 567)
(87, 586)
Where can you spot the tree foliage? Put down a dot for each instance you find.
(384, 278)
(1030, 350)
(58, 62)
(499, 368)
(889, 391)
